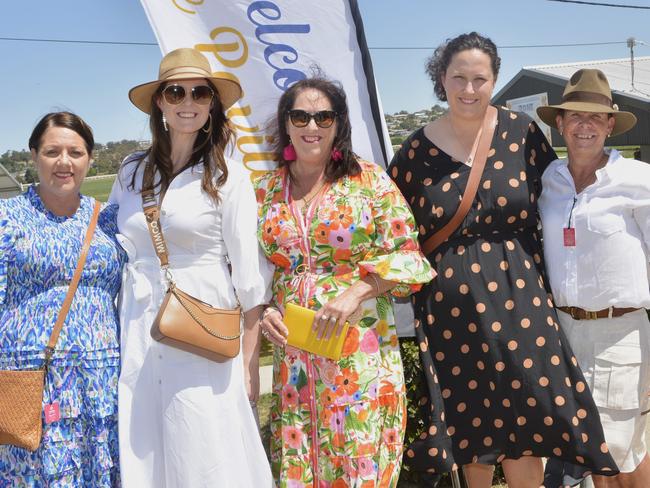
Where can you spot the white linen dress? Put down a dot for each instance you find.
(185, 421)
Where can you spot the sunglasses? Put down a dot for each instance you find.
(175, 94)
(301, 118)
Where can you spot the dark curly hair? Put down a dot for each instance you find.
(437, 64)
(334, 170)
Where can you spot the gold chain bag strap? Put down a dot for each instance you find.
(21, 400)
(183, 321)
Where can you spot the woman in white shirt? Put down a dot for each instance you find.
(186, 421)
(595, 209)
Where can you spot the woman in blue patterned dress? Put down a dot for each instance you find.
(41, 234)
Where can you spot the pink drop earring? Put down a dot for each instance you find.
(289, 152)
(337, 155)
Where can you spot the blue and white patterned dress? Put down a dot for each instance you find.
(38, 255)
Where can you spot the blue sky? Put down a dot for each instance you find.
(93, 80)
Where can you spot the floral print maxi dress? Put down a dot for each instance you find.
(340, 423)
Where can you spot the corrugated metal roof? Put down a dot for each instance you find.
(617, 71)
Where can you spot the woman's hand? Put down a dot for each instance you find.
(331, 318)
(347, 306)
(273, 327)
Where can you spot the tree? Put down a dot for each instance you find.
(30, 175)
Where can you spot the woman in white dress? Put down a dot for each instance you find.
(186, 421)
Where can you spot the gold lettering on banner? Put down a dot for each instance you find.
(191, 2)
(226, 47)
(244, 111)
(267, 157)
(230, 40)
(256, 157)
(231, 77)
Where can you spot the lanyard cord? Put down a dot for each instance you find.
(568, 225)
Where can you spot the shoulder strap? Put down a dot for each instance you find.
(151, 211)
(152, 216)
(63, 313)
(484, 138)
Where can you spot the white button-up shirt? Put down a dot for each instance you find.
(608, 266)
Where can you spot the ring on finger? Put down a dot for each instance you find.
(324, 317)
(333, 320)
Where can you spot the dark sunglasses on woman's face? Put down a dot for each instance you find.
(175, 94)
(301, 118)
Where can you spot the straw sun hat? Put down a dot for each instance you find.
(588, 91)
(185, 64)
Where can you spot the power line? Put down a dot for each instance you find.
(578, 44)
(599, 4)
(378, 48)
(78, 41)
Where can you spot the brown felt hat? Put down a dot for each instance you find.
(588, 91)
(185, 64)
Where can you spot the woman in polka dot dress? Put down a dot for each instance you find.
(503, 384)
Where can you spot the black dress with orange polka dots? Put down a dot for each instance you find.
(502, 380)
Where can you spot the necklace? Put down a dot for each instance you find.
(472, 153)
(307, 201)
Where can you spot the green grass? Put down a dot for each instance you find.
(99, 188)
(264, 412)
(266, 360)
(266, 353)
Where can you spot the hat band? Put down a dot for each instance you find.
(589, 97)
(188, 71)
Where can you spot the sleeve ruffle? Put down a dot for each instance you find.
(396, 254)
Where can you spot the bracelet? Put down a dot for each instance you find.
(268, 310)
(374, 277)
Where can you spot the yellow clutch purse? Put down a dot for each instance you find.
(299, 321)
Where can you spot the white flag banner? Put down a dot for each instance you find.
(269, 45)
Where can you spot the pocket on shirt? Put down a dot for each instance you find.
(605, 224)
(617, 373)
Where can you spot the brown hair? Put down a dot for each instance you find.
(209, 149)
(334, 170)
(67, 120)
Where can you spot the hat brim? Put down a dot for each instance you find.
(141, 95)
(624, 120)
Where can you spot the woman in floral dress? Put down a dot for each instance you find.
(341, 237)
